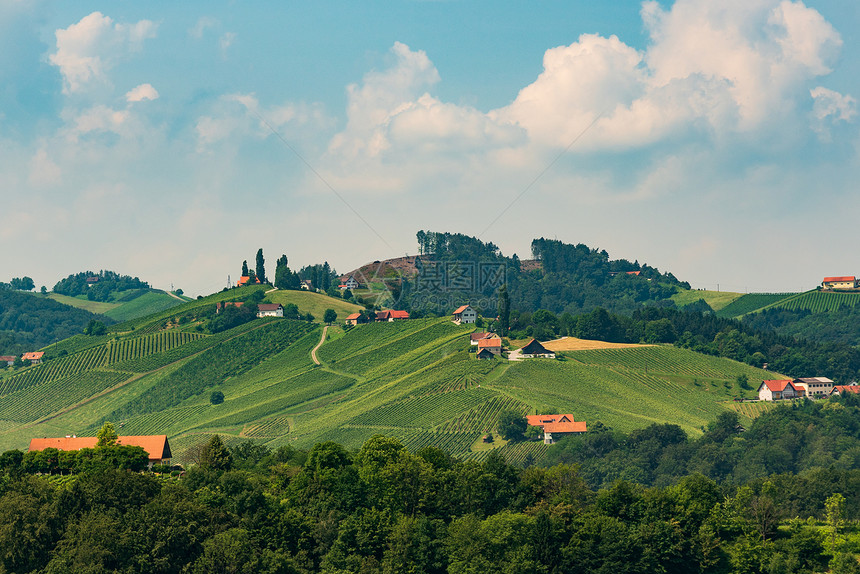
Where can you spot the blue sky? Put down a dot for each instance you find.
(716, 140)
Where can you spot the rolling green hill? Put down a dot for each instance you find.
(412, 379)
(128, 305)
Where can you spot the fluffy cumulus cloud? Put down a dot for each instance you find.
(712, 72)
(87, 50)
(141, 93)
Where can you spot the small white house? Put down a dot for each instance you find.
(465, 314)
(270, 310)
(350, 284)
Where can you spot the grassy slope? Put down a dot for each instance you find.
(91, 306)
(716, 299)
(142, 306)
(146, 304)
(314, 303)
(412, 379)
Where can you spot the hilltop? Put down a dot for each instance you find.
(414, 379)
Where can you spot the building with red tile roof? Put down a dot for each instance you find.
(9, 359)
(34, 357)
(464, 314)
(491, 344)
(353, 319)
(841, 389)
(844, 282)
(156, 446)
(776, 390)
(391, 315)
(246, 280)
(556, 426)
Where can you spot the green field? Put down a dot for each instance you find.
(92, 306)
(315, 303)
(126, 304)
(716, 299)
(752, 302)
(415, 380)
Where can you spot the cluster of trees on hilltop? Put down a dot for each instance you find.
(322, 276)
(570, 278)
(19, 284)
(386, 510)
(28, 322)
(109, 282)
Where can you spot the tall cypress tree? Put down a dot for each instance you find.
(245, 268)
(504, 309)
(261, 269)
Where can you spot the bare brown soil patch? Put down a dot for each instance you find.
(574, 344)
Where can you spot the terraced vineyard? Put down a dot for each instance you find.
(415, 380)
(751, 302)
(818, 301)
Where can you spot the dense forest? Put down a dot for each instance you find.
(104, 289)
(841, 325)
(457, 268)
(29, 322)
(781, 497)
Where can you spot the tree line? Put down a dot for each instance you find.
(383, 509)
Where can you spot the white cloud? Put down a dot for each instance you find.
(99, 119)
(200, 27)
(236, 117)
(830, 104)
(225, 41)
(88, 49)
(142, 92)
(43, 171)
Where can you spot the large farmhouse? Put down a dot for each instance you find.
(814, 387)
(777, 390)
(556, 426)
(845, 282)
(156, 446)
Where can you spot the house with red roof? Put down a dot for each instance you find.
(35, 357)
(464, 314)
(246, 280)
(475, 337)
(845, 282)
(556, 426)
(8, 359)
(392, 315)
(223, 304)
(156, 446)
(845, 389)
(777, 390)
(353, 319)
(492, 345)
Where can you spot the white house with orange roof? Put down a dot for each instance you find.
(777, 390)
(556, 426)
(464, 314)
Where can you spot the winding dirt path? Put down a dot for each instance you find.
(314, 350)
